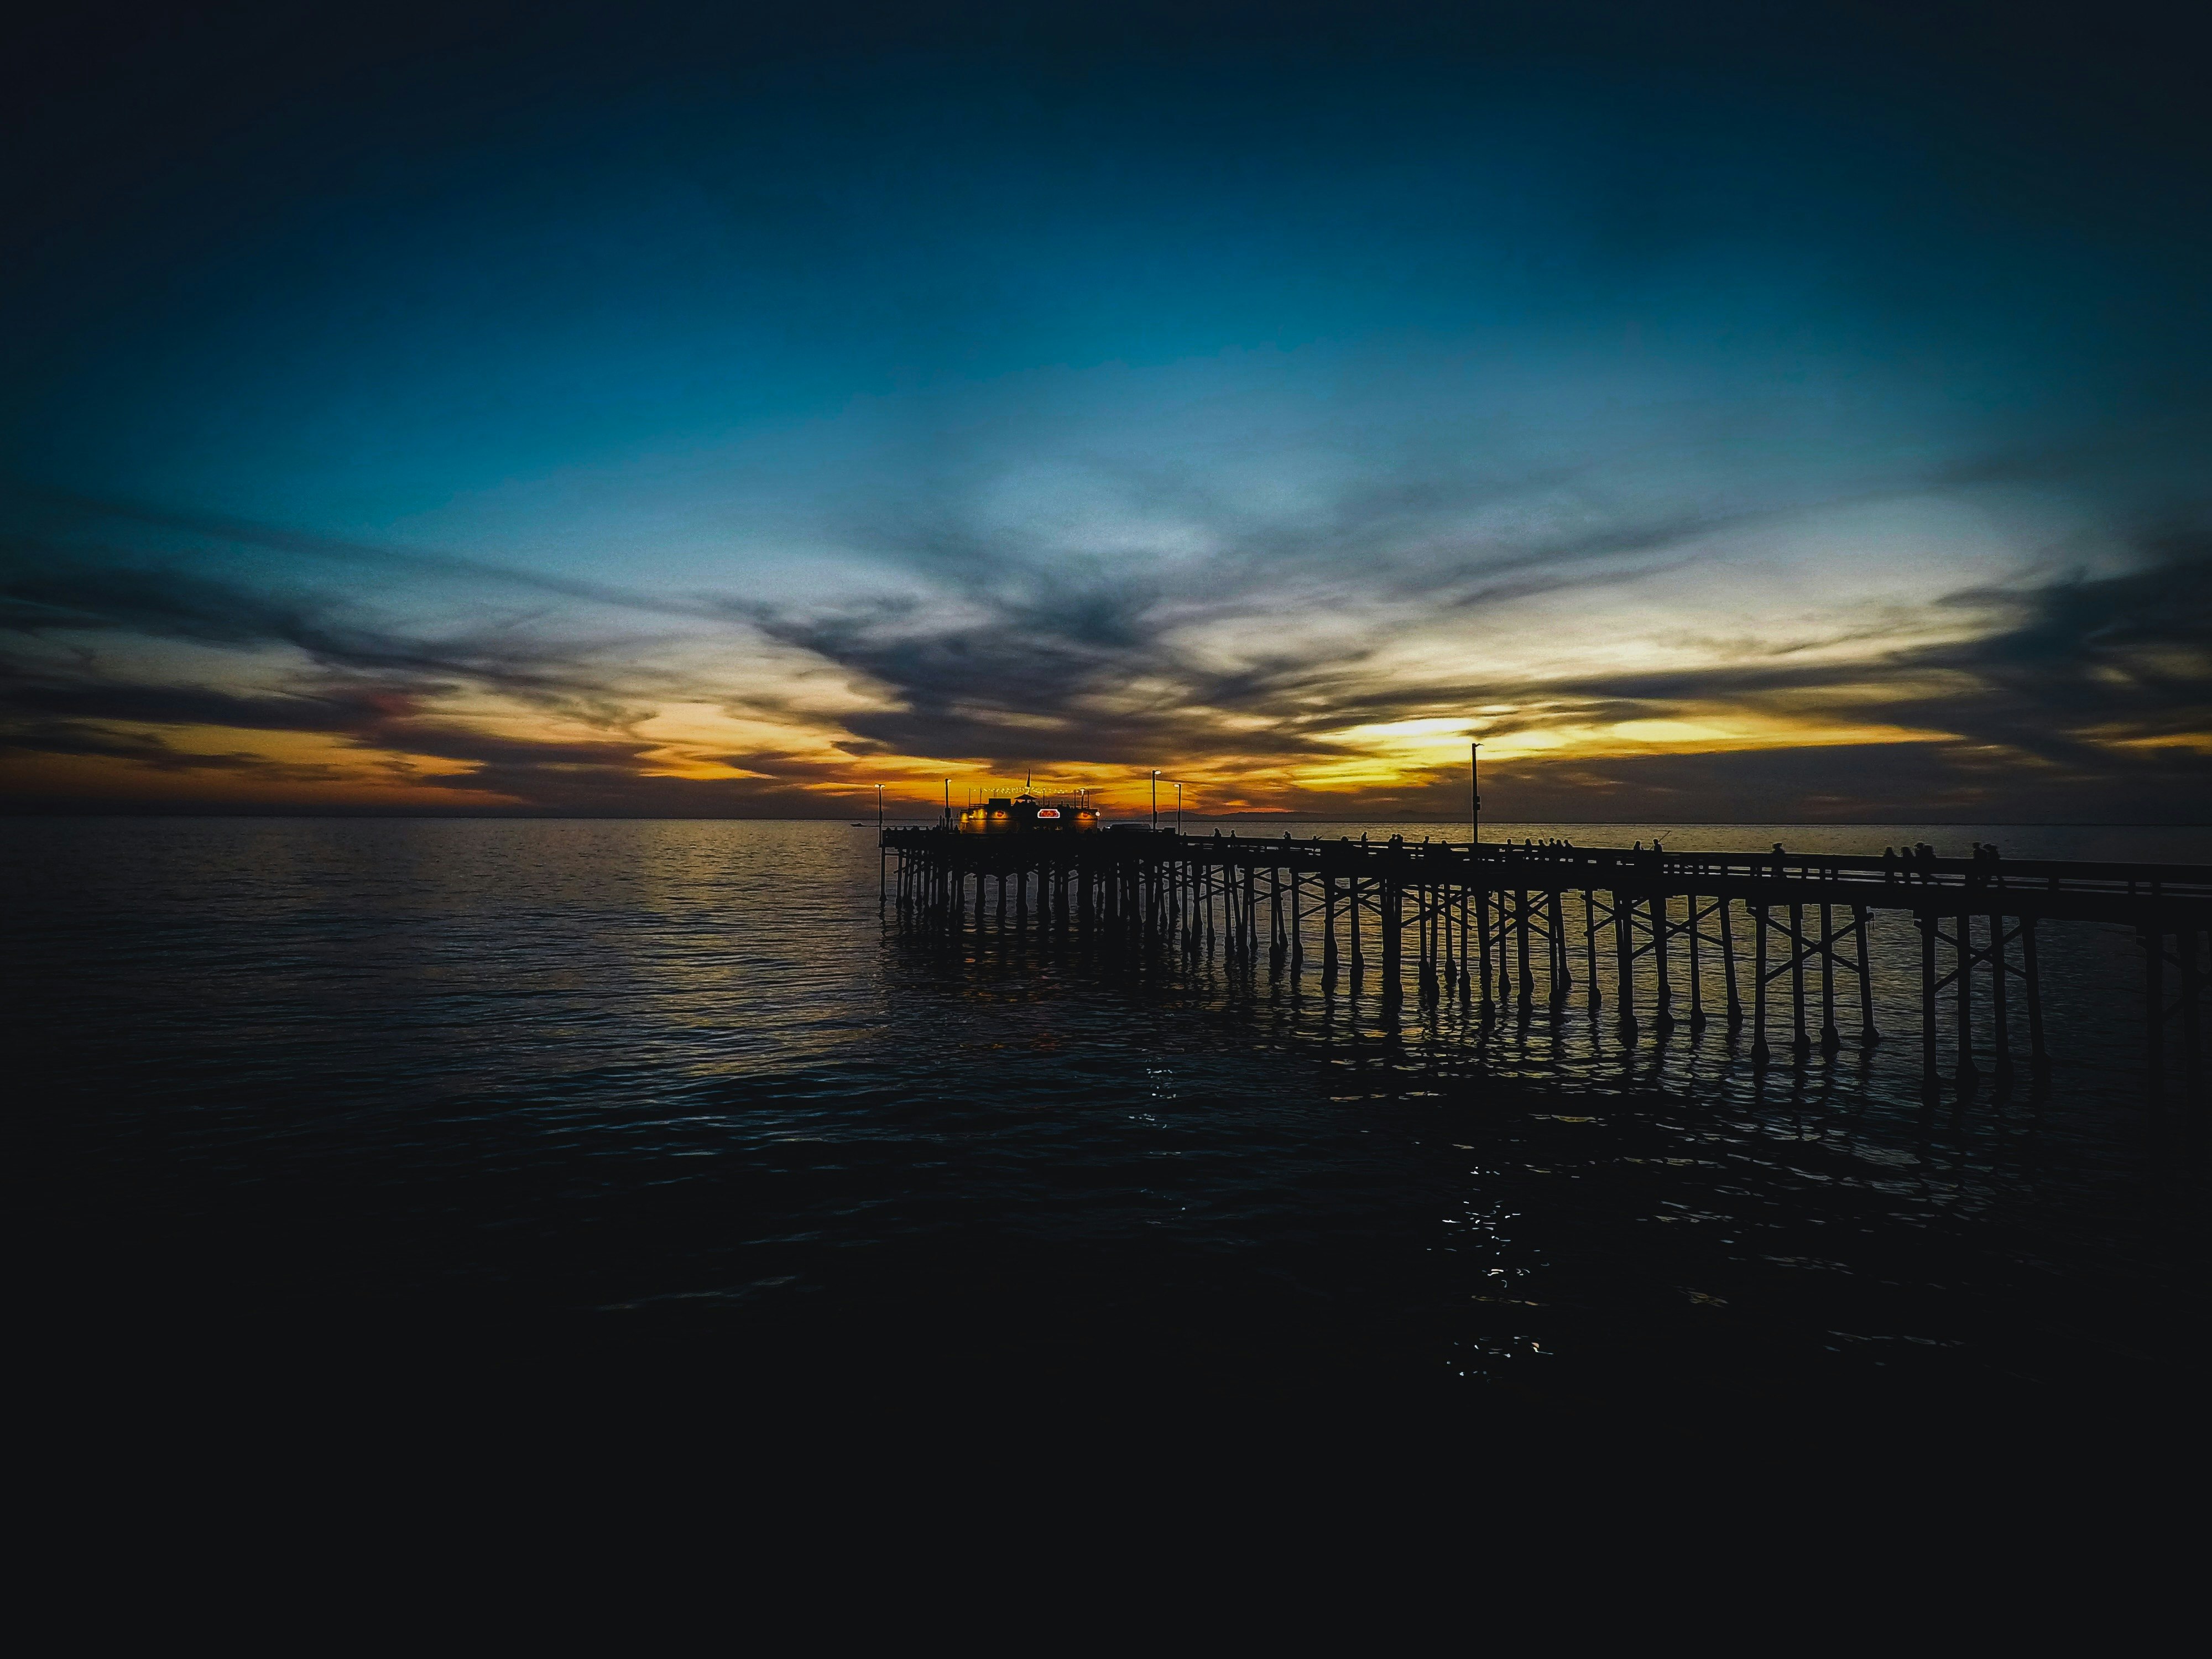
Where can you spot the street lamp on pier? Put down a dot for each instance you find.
(1473, 792)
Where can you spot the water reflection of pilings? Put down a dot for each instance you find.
(1480, 944)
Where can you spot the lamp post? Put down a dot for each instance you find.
(948, 800)
(1473, 792)
(1156, 798)
(1178, 809)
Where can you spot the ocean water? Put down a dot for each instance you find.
(686, 1083)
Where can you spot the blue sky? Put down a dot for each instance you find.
(644, 413)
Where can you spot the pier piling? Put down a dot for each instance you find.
(1475, 917)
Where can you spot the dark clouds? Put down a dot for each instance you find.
(2075, 665)
(2091, 696)
(371, 685)
(2083, 697)
(1108, 386)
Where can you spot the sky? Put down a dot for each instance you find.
(1717, 412)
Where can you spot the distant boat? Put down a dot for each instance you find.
(857, 824)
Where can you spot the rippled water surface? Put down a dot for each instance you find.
(682, 1077)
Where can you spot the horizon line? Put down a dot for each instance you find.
(372, 815)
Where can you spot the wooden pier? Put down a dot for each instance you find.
(1782, 946)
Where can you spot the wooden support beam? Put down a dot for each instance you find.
(1390, 895)
(1697, 966)
(1968, 1072)
(2000, 1024)
(1563, 978)
(1868, 1035)
(1829, 1040)
(2031, 970)
(1483, 907)
(1727, 966)
(1624, 948)
(1801, 1044)
(1590, 952)
(1760, 1052)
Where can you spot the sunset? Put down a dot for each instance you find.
(1214, 701)
(564, 434)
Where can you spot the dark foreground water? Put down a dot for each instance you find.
(676, 1084)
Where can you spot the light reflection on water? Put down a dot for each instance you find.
(682, 1070)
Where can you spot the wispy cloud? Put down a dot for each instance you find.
(1255, 665)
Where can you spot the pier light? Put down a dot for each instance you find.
(1178, 804)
